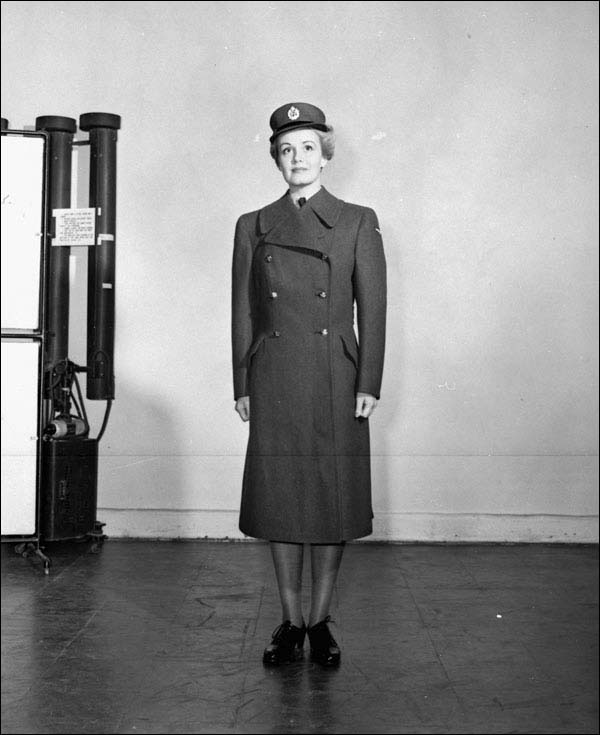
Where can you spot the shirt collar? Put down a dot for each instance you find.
(324, 205)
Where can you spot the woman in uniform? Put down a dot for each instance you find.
(301, 378)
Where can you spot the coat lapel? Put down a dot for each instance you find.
(281, 224)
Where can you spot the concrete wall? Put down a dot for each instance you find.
(471, 128)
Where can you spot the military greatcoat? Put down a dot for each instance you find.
(296, 276)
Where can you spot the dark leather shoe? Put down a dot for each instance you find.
(323, 646)
(286, 645)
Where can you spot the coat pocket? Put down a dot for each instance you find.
(350, 347)
(254, 347)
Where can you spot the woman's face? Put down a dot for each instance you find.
(300, 159)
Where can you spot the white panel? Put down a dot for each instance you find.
(22, 201)
(19, 431)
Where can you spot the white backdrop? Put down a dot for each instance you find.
(471, 128)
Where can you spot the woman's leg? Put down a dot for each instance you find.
(325, 563)
(287, 559)
(288, 638)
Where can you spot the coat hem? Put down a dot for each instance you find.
(305, 540)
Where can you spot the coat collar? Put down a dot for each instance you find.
(323, 204)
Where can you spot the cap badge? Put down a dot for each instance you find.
(293, 113)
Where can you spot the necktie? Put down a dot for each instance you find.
(301, 201)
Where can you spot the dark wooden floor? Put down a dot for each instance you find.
(151, 637)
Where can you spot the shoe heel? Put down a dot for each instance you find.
(287, 645)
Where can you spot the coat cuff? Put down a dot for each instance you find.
(372, 390)
(240, 384)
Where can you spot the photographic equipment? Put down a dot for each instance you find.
(49, 467)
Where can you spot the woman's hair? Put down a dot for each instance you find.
(327, 144)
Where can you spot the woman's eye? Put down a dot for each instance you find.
(308, 147)
(285, 151)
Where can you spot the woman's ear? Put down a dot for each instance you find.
(323, 163)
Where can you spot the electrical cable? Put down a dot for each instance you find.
(76, 404)
(106, 415)
(85, 418)
(79, 415)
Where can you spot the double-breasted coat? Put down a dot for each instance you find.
(296, 276)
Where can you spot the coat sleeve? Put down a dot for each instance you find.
(241, 307)
(370, 294)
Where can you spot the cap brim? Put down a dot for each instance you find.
(298, 124)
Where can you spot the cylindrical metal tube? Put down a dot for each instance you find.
(102, 129)
(60, 141)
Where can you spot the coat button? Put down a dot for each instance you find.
(276, 334)
(274, 294)
(324, 332)
(268, 258)
(322, 294)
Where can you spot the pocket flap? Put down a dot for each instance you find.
(254, 347)
(350, 347)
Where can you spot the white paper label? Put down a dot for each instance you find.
(74, 227)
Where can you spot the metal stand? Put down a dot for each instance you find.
(97, 537)
(29, 548)
(67, 456)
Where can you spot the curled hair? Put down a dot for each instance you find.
(327, 144)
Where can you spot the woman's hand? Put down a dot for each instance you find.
(365, 405)
(242, 406)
